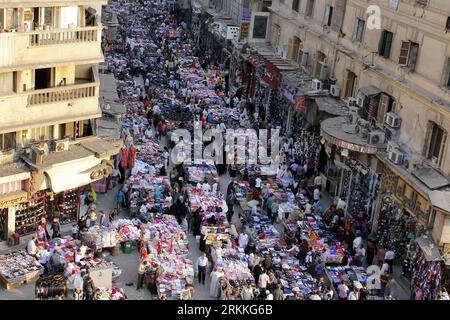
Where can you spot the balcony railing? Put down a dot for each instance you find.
(60, 94)
(44, 38)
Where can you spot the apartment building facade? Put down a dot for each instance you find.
(390, 85)
(49, 103)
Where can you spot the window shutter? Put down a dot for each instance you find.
(382, 108)
(404, 53)
(388, 45)
(327, 16)
(382, 43)
(290, 48)
(413, 55)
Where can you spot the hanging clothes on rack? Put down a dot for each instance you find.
(123, 155)
(131, 157)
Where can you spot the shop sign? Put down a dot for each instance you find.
(300, 104)
(12, 202)
(246, 15)
(244, 29)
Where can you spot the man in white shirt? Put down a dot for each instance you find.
(316, 195)
(262, 281)
(258, 183)
(318, 181)
(202, 264)
(343, 291)
(389, 257)
(357, 242)
(243, 240)
(31, 246)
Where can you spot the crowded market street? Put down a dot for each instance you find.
(181, 218)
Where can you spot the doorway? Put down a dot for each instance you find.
(351, 83)
(42, 78)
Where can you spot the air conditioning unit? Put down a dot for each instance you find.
(393, 120)
(316, 85)
(392, 146)
(323, 71)
(409, 163)
(396, 156)
(335, 91)
(61, 145)
(27, 26)
(351, 102)
(37, 155)
(376, 137)
(7, 157)
(360, 100)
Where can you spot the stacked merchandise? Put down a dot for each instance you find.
(215, 236)
(360, 186)
(168, 249)
(348, 275)
(428, 270)
(101, 237)
(71, 203)
(126, 230)
(199, 173)
(18, 267)
(210, 203)
(165, 235)
(66, 247)
(293, 276)
(241, 190)
(396, 227)
(92, 263)
(319, 238)
(150, 190)
(29, 215)
(112, 294)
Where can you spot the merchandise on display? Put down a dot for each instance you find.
(17, 267)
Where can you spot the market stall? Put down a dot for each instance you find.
(17, 268)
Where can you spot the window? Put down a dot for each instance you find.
(446, 81)
(447, 25)
(360, 25)
(328, 16)
(309, 8)
(41, 134)
(7, 141)
(293, 48)
(350, 84)
(295, 5)
(2, 18)
(436, 144)
(409, 52)
(384, 47)
(276, 31)
(260, 27)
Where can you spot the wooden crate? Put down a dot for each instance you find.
(10, 285)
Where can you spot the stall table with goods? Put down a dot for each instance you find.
(99, 237)
(17, 268)
(199, 173)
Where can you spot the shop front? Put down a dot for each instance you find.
(351, 157)
(13, 195)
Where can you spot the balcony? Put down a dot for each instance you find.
(51, 106)
(26, 50)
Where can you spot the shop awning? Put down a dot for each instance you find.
(440, 199)
(331, 106)
(13, 172)
(429, 248)
(431, 178)
(72, 175)
(370, 91)
(103, 148)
